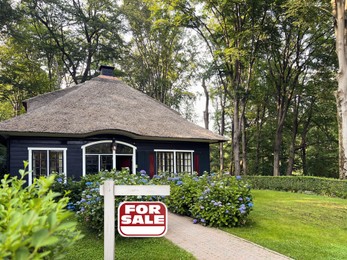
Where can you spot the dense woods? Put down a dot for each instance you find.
(267, 69)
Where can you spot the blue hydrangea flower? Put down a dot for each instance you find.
(88, 183)
(207, 191)
(242, 209)
(238, 177)
(240, 199)
(250, 204)
(179, 183)
(227, 211)
(195, 221)
(202, 220)
(143, 172)
(60, 180)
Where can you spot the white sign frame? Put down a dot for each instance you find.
(109, 191)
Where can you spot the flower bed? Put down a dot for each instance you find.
(209, 199)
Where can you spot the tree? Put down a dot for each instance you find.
(8, 14)
(83, 33)
(231, 31)
(21, 75)
(339, 12)
(158, 61)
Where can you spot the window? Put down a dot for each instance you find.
(44, 161)
(174, 161)
(99, 156)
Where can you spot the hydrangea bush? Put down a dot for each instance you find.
(223, 202)
(91, 205)
(68, 188)
(210, 199)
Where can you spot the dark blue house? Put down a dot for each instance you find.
(103, 124)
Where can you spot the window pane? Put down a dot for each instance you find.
(106, 162)
(100, 156)
(165, 162)
(123, 162)
(123, 149)
(92, 164)
(56, 161)
(183, 162)
(103, 148)
(39, 163)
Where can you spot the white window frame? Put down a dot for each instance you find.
(114, 154)
(47, 149)
(174, 152)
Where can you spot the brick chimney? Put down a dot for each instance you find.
(106, 70)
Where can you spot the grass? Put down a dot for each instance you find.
(92, 247)
(298, 225)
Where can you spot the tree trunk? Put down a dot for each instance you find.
(236, 138)
(339, 8)
(207, 97)
(244, 144)
(277, 151)
(291, 154)
(222, 129)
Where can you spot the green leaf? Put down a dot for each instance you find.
(39, 237)
(52, 219)
(22, 253)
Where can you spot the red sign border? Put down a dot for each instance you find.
(142, 235)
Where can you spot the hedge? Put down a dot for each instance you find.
(305, 184)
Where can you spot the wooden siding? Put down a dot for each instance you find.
(18, 151)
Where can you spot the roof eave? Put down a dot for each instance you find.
(6, 134)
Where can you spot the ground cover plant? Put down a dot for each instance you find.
(32, 222)
(297, 225)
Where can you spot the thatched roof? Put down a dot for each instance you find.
(103, 105)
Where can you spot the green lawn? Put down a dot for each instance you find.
(92, 248)
(298, 225)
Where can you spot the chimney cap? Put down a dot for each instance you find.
(106, 70)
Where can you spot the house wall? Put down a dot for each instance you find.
(18, 151)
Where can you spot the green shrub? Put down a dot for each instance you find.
(91, 205)
(225, 202)
(184, 191)
(32, 224)
(210, 199)
(317, 185)
(68, 188)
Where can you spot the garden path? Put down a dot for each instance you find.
(207, 243)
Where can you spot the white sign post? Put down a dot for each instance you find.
(109, 190)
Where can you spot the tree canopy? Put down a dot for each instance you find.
(266, 69)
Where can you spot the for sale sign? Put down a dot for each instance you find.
(142, 219)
